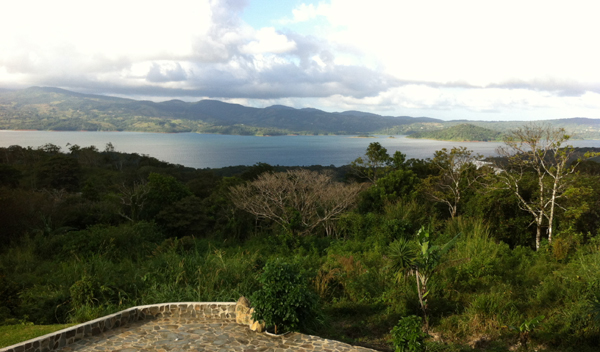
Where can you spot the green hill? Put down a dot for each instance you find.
(460, 133)
(46, 108)
(43, 108)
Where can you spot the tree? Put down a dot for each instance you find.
(377, 162)
(421, 262)
(389, 189)
(163, 191)
(133, 199)
(298, 200)
(457, 172)
(284, 301)
(538, 149)
(59, 171)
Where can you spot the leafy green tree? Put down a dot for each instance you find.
(377, 162)
(408, 336)
(163, 190)
(396, 185)
(284, 301)
(186, 217)
(421, 261)
(204, 184)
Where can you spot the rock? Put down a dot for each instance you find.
(258, 326)
(242, 311)
(243, 301)
(243, 315)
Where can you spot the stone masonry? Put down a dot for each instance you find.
(59, 339)
(176, 327)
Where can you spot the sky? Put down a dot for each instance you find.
(460, 59)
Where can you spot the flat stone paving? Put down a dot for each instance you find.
(179, 334)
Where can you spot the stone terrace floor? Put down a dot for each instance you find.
(179, 334)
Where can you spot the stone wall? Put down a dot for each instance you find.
(190, 310)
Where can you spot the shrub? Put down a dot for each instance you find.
(408, 335)
(284, 302)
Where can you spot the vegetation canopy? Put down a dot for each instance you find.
(366, 253)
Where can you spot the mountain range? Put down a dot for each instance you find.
(47, 108)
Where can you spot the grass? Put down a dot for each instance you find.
(13, 334)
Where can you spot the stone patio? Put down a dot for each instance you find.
(219, 335)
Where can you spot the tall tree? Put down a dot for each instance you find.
(377, 162)
(538, 149)
(457, 172)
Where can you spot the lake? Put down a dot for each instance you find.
(214, 151)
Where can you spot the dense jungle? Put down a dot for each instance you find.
(496, 255)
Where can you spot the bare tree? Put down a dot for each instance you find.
(538, 149)
(457, 172)
(133, 199)
(298, 200)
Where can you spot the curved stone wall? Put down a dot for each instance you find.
(190, 310)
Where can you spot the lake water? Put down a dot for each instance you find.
(214, 151)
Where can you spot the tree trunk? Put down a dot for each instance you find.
(421, 290)
(552, 202)
(538, 234)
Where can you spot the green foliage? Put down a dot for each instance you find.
(461, 133)
(421, 261)
(377, 162)
(284, 300)
(163, 190)
(529, 325)
(396, 186)
(407, 335)
(67, 255)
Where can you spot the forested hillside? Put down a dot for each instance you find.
(447, 243)
(44, 108)
(460, 133)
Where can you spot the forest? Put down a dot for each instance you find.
(460, 133)
(448, 253)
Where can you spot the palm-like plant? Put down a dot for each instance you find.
(420, 260)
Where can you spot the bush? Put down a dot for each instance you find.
(408, 335)
(284, 302)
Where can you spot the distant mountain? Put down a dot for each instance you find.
(47, 108)
(461, 133)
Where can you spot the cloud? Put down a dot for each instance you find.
(304, 12)
(268, 41)
(426, 56)
(166, 73)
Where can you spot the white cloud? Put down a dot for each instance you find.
(397, 57)
(269, 41)
(111, 28)
(479, 42)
